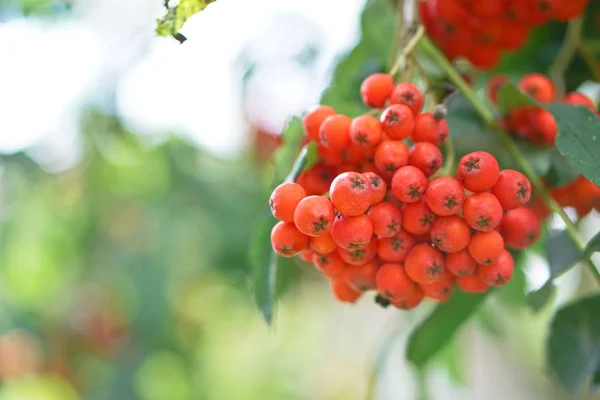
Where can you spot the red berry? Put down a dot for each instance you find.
(386, 218)
(450, 234)
(398, 121)
(317, 179)
(284, 200)
(484, 56)
(471, 284)
(314, 215)
(391, 155)
(520, 228)
(517, 36)
(539, 12)
(323, 244)
(485, 247)
(543, 128)
(409, 184)
(359, 256)
(335, 132)
(537, 86)
(365, 131)
(394, 249)
(564, 10)
(445, 196)
(409, 95)
(499, 272)
(425, 156)
(430, 129)
(461, 263)
(411, 300)
(362, 277)
(313, 119)
(494, 85)
(478, 171)
(393, 283)
(329, 156)
(351, 193)
(344, 292)
(287, 240)
(487, 8)
(424, 264)
(482, 211)
(512, 189)
(378, 185)
(376, 89)
(306, 255)
(352, 233)
(580, 99)
(330, 265)
(417, 218)
(441, 289)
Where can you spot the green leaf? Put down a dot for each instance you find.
(578, 138)
(561, 171)
(514, 291)
(593, 245)
(510, 96)
(539, 298)
(434, 333)
(311, 156)
(284, 157)
(176, 16)
(562, 253)
(574, 343)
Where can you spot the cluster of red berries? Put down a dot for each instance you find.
(481, 29)
(387, 224)
(535, 123)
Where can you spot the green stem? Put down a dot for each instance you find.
(400, 35)
(298, 166)
(414, 40)
(488, 117)
(590, 59)
(565, 55)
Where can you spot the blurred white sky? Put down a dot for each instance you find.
(106, 53)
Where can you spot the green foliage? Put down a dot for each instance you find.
(539, 298)
(562, 252)
(593, 245)
(173, 20)
(574, 343)
(285, 156)
(438, 329)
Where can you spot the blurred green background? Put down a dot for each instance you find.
(133, 172)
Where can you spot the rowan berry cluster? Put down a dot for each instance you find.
(481, 29)
(382, 220)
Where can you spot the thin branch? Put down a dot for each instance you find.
(565, 55)
(414, 40)
(590, 59)
(399, 37)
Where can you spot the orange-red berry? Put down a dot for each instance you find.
(512, 189)
(313, 119)
(471, 284)
(461, 263)
(362, 277)
(485, 247)
(352, 233)
(314, 215)
(394, 249)
(430, 129)
(330, 265)
(499, 272)
(409, 184)
(351, 193)
(445, 196)
(365, 131)
(376, 89)
(335, 132)
(287, 240)
(409, 95)
(378, 185)
(398, 121)
(482, 211)
(393, 282)
(417, 218)
(424, 264)
(450, 234)
(359, 256)
(537, 86)
(285, 199)
(425, 156)
(322, 244)
(386, 218)
(520, 228)
(343, 291)
(390, 156)
(478, 171)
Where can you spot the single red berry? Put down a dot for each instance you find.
(314, 215)
(580, 99)
(482, 211)
(518, 34)
(450, 234)
(564, 10)
(499, 272)
(393, 282)
(409, 184)
(285, 199)
(485, 247)
(343, 291)
(424, 264)
(313, 119)
(537, 86)
(323, 244)
(417, 218)
(287, 240)
(335, 132)
(441, 289)
(386, 218)
(398, 121)
(316, 180)
(471, 284)
(484, 56)
(542, 127)
(478, 171)
(394, 249)
(445, 196)
(362, 277)
(516, 10)
(330, 265)
(461, 263)
(378, 185)
(540, 12)
(520, 228)
(366, 131)
(425, 156)
(351, 193)
(448, 10)
(512, 189)
(389, 156)
(352, 233)
(430, 129)
(306, 255)
(376, 89)
(359, 256)
(409, 95)
(411, 300)
(329, 156)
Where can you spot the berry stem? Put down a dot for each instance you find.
(400, 29)
(299, 165)
(488, 117)
(414, 40)
(565, 55)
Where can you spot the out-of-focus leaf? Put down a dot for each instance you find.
(284, 157)
(311, 155)
(574, 343)
(452, 357)
(539, 298)
(593, 245)
(510, 96)
(561, 171)
(562, 252)
(514, 291)
(434, 333)
(176, 16)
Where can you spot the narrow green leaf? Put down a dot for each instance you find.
(311, 156)
(176, 16)
(574, 343)
(510, 96)
(434, 333)
(593, 245)
(562, 253)
(284, 157)
(539, 298)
